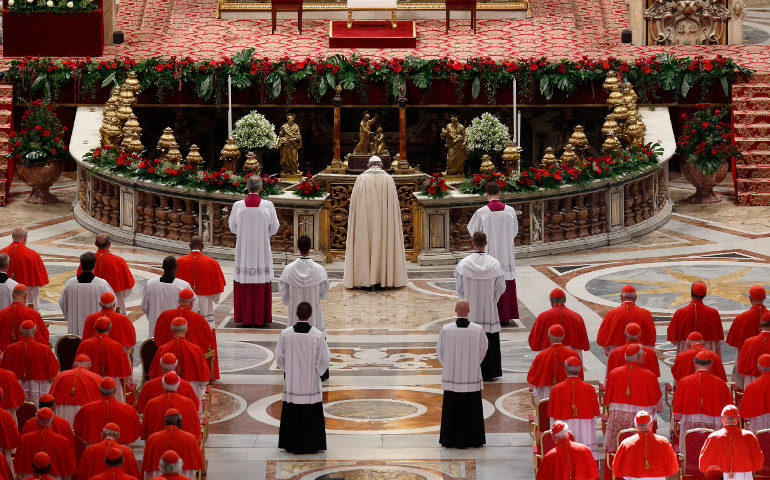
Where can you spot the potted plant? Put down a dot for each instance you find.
(254, 133)
(486, 135)
(39, 150)
(308, 188)
(706, 147)
(435, 188)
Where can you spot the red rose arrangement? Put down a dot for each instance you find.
(706, 141)
(476, 182)
(308, 188)
(435, 187)
(41, 137)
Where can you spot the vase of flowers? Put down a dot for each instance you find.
(308, 188)
(435, 188)
(486, 135)
(254, 133)
(706, 147)
(39, 149)
(269, 186)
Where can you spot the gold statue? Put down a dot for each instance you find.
(378, 143)
(454, 133)
(289, 142)
(364, 146)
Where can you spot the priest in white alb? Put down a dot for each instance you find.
(254, 221)
(374, 249)
(81, 295)
(304, 280)
(161, 294)
(6, 294)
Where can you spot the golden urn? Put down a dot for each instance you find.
(132, 125)
(611, 80)
(610, 126)
(616, 96)
(549, 159)
(110, 131)
(487, 166)
(126, 100)
(579, 141)
(230, 155)
(194, 158)
(252, 164)
(114, 99)
(174, 155)
(132, 144)
(165, 141)
(511, 159)
(620, 112)
(133, 83)
(127, 95)
(569, 158)
(629, 95)
(611, 144)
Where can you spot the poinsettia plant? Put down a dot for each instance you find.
(435, 188)
(476, 182)
(41, 138)
(308, 188)
(706, 141)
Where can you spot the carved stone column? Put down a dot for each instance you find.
(175, 217)
(190, 220)
(336, 165)
(161, 216)
(149, 215)
(628, 212)
(217, 222)
(140, 211)
(582, 214)
(525, 222)
(601, 201)
(228, 237)
(594, 227)
(553, 220)
(568, 218)
(96, 199)
(115, 204)
(638, 208)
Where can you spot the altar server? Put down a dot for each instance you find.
(683, 363)
(498, 221)
(575, 335)
(113, 461)
(58, 424)
(12, 316)
(751, 351)
(9, 434)
(33, 363)
(155, 410)
(548, 367)
(732, 449)
(696, 317)
(121, 328)
(113, 269)
(700, 397)
(568, 460)
(6, 294)
(184, 445)
(91, 464)
(755, 405)
(617, 357)
(154, 388)
(161, 294)
(461, 348)
(480, 281)
(304, 280)
(746, 325)
(91, 419)
(81, 295)
(62, 455)
(205, 276)
(645, 455)
(574, 401)
(611, 331)
(13, 394)
(25, 265)
(108, 357)
(303, 355)
(254, 221)
(74, 388)
(374, 250)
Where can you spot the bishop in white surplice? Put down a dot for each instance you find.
(303, 280)
(161, 294)
(6, 294)
(81, 294)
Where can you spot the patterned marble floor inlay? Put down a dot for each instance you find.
(372, 470)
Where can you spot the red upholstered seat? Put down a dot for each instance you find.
(693, 443)
(763, 437)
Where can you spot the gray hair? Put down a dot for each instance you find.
(254, 184)
(44, 423)
(555, 339)
(110, 305)
(375, 160)
(628, 296)
(4, 260)
(635, 358)
(18, 234)
(643, 426)
(179, 328)
(82, 364)
(107, 433)
(27, 332)
(170, 467)
(558, 300)
(763, 369)
(563, 434)
(729, 420)
(107, 393)
(572, 370)
(702, 363)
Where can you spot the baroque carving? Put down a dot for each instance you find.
(686, 22)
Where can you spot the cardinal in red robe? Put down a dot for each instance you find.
(568, 460)
(696, 317)
(193, 365)
(59, 425)
(121, 328)
(5, 469)
(71, 389)
(575, 336)
(108, 358)
(25, 265)
(92, 418)
(9, 434)
(13, 394)
(745, 326)
(172, 437)
(113, 269)
(548, 367)
(732, 449)
(45, 440)
(611, 331)
(684, 362)
(617, 357)
(154, 388)
(91, 463)
(752, 349)
(755, 406)
(33, 363)
(113, 460)
(12, 316)
(41, 464)
(205, 276)
(155, 411)
(645, 455)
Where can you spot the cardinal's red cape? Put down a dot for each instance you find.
(60, 426)
(113, 270)
(154, 388)
(91, 419)
(113, 473)
(25, 266)
(612, 331)
(568, 461)
(574, 329)
(617, 358)
(13, 394)
(92, 461)
(695, 317)
(5, 469)
(155, 413)
(745, 326)
(9, 432)
(45, 440)
(77, 386)
(548, 366)
(198, 331)
(632, 384)
(573, 391)
(192, 366)
(701, 393)
(684, 363)
(732, 450)
(203, 273)
(752, 349)
(11, 318)
(30, 360)
(755, 400)
(171, 476)
(171, 438)
(121, 329)
(643, 447)
(108, 358)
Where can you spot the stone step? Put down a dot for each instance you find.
(753, 199)
(751, 116)
(751, 103)
(752, 172)
(751, 90)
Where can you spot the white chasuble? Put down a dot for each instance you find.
(254, 226)
(79, 300)
(303, 357)
(501, 228)
(480, 281)
(303, 280)
(159, 296)
(374, 250)
(460, 351)
(6, 294)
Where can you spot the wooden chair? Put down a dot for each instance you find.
(547, 443)
(605, 408)
(286, 6)
(693, 443)
(461, 5)
(763, 437)
(25, 412)
(539, 421)
(622, 435)
(65, 350)
(146, 354)
(674, 419)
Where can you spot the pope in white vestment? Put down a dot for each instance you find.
(81, 294)
(374, 250)
(161, 294)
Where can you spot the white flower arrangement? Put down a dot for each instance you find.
(49, 3)
(10, 2)
(70, 4)
(254, 132)
(487, 134)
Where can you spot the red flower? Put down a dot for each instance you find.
(151, 169)
(713, 151)
(57, 139)
(53, 151)
(717, 112)
(18, 144)
(557, 177)
(38, 128)
(175, 171)
(159, 67)
(529, 181)
(46, 133)
(219, 182)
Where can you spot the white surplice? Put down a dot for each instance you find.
(6, 294)
(254, 226)
(584, 430)
(303, 357)
(79, 300)
(460, 352)
(120, 299)
(480, 281)
(501, 228)
(207, 303)
(303, 280)
(159, 297)
(33, 297)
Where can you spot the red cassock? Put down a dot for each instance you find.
(154, 388)
(121, 330)
(192, 366)
(92, 461)
(77, 386)
(44, 440)
(701, 393)
(568, 461)
(108, 358)
(113, 473)
(171, 438)
(632, 384)
(13, 394)
(171, 476)
(732, 450)
(756, 401)
(695, 317)
(548, 366)
(11, 318)
(91, 419)
(5, 469)
(612, 331)
(684, 363)
(113, 270)
(25, 266)
(9, 432)
(745, 326)
(573, 391)
(574, 329)
(60, 426)
(617, 359)
(155, 412)
(202, 272)
(630, 457)
(752, 349)
(30, 360)
(198, 331)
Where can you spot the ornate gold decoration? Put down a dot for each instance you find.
(113, 102)
(132, 144)
(133, 83)
(549, 159)
(405, 197)
(174, 155)
(288, 144)
(454, 133)
(686, 22)
(194, 158)
(579, 142)
(127, 100)
(616, 97)
(230, 155)
(611, 144)
(610, 80)
(610, 126)
(401, 167)
(132, 125)
(366, 135)
(511, 159)
(110, 131)
(252, 164)
(569, 157)
(165, 141)
(486, 165)
(629, 96)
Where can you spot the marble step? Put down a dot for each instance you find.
(751, 103)
(753, 143)
(752, 90)
(751, 116)
(753, 157)
(753, 130)
(753, 185)
(753, 199)
(752, 172)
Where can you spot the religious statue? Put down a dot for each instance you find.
(454, 133)
(365, 145)
(378, 143)
(289, 142)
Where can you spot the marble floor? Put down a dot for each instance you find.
(383, 400)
